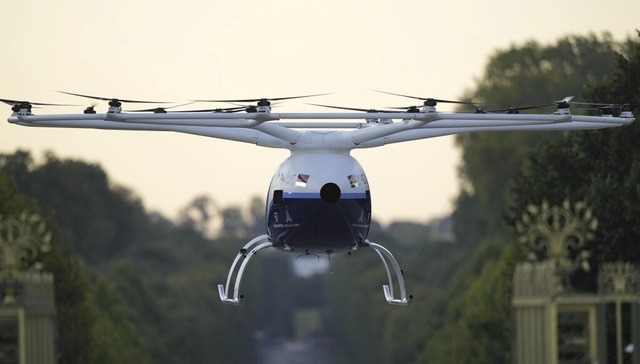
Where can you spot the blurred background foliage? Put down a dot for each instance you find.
(135, 286)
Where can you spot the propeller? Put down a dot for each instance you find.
(630, 107)
(115, 102)
(560, 104)
(354, 108)
(606, 108)
(564, 103)
(14, 102)
(429, 101)
(17, 105)
(517, 109)
(418, 108)
(163, 110)
(263, 101)
(90, 109)
(410, 109)
(606, 104)
(595, 104)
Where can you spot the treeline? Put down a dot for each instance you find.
(132, 286)
(461, 313)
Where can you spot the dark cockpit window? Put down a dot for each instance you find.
(278, 198)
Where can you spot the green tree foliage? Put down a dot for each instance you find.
(98, 219)
(12, 201)
(153, 297)
(79, 318)
(74, 309)
(476, 324)
(114, 328)
(599, 167)
(203, 215)
(522, 75)
(476, 328)
(200, 215)
(359, 319)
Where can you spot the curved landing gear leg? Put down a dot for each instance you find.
(385, 255)
(244, 255)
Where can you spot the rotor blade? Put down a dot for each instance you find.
(566, 99)
(264, 98)
(226, 109)
(428, 98)
(157, 108)
(603, 104)
(14, 102)
(352, 108)
(590, 104)
(409, 109)
(113, 98)
(166, 109)
(515, 109)
(520, 108)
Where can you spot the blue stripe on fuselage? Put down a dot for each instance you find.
(316, 195)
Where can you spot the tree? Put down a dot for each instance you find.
(476, 327)
(601, 168)
(115, 328)
(151, 300)
(527, 74)
(77, 313)
(99, 219)
(201, 215)
(205, 216)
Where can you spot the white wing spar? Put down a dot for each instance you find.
(340, 131)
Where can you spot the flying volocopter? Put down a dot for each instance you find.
(319, 201)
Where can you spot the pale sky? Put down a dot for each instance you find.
(203, 49)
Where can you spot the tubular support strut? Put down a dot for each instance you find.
(385, 255)
(244, 255)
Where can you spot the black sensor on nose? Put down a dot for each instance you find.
(330, 193)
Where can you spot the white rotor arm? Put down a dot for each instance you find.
(97, 121)
(451, 122)
(276, 131)
(427, 132)
(257, 121)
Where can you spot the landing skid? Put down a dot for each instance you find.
(251, 248)
(385, 255)
(244, 255)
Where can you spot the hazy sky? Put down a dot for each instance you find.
(204, 49)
